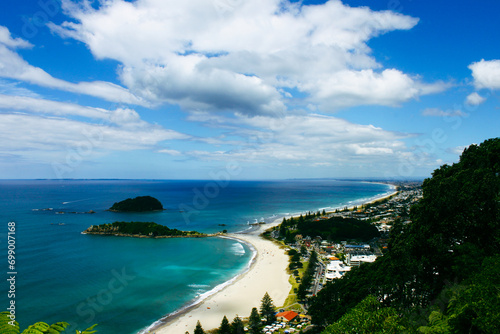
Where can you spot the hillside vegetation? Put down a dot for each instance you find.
(441, 272)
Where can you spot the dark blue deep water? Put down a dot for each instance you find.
(126, 284)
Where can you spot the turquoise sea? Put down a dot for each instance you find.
(127, 284)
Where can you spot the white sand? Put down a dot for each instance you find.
(267, 274)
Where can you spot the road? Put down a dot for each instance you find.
(318, 278)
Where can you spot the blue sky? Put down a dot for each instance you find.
(245, 89)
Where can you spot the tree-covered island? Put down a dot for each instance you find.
(138, 204)
(141, 230)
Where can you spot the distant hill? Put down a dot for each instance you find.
(138, 204)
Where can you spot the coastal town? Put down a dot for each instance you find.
(317, 259)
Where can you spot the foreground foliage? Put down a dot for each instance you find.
(369, 316)
(7, 326)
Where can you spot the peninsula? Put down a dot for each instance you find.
(138, 204)
(141, 230)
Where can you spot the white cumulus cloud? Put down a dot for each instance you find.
(486, 74)
(245, 56)
(474, 99)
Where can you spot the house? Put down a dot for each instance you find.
(286, 316)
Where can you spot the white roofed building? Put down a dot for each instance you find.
(356, 260)
(336, 269)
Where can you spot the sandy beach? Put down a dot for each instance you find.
(266, 274)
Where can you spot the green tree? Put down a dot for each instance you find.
(369, 316)
(198, 329)
(475, 307)
(267, 309)
(308, 276)
(283, 228)
(224, 328)
(438, 324)
(292, 252)
(254, 322)
(237, 326)
(303, 250)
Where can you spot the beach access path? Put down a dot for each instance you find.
(268, 273)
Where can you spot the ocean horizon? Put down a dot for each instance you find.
(127, 284)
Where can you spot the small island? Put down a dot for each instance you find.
(141, 230)
(138, 204)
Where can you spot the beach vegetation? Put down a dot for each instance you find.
(441, 270)
(308, 276)
(224, 328)
(267, 309)
(254, 322)
(295, 257)
(295, 265)
(303, 250)
(138, 204)
(291, 299)
(237, 326)
(198, 329)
